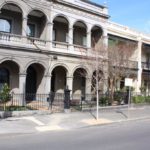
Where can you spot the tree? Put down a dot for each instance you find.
(109, 63)
(120, 53)
(97, 61)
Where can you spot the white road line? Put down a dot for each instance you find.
(34, 120)
(48, 128)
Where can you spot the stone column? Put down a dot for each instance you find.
(47, 83)
(49, 36)
(105, 38)
(89, 39)
(70, 83)
(24, 26)
(22, 81)
(139, 78)
(22, 86)
(70, 38)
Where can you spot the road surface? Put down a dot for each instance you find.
(133, 135)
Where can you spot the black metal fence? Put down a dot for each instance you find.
(18, 102)
(54, 102)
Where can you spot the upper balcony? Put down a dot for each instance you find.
(36, 32)
(145, 57)
(14, 29)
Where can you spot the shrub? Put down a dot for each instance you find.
(103, 101)
(147, 99)
(118, 96)
(4, 93)
(138, 99)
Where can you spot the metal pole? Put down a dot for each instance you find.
(97, 108)
(129, 100)
(97, 88)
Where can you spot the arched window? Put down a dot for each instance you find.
(5, 25)
(4, 77)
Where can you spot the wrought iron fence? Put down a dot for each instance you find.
(54, 102)
(18, 102)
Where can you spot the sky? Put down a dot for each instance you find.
(132, 13)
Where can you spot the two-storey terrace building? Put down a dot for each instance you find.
(42, 43)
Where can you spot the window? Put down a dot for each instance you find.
(4, 77)
(5, 25)
(31, 30)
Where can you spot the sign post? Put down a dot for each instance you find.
(129, 83)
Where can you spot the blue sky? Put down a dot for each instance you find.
(132, 13)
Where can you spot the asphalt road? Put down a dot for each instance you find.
(133, 135)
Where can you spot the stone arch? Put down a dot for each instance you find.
(13, 60)
(80, 33)
(83, 67)
(14, 69)
(100, 26)
(82, 21)
(19, 4)
(96, 35)
(43, 64)
(79, 81)
(40, 10)
(60, 64)
(58, 80)
(37, 22)
(60, 29)
(61, 15)
(35, 77)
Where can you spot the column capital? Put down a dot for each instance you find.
(69, 77)
(71, 28)
(22, 74)
(50, 23)
(89, 32)
(25, 18)
(48, 75)
(88, 78)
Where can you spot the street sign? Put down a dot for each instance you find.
(128, 82)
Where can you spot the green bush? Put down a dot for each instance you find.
(147, 99)
(118, 96)
(5, 93)
(103, 101)
(138, 99)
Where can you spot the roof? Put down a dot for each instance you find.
(92, 3)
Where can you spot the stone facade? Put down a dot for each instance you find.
(47, 41)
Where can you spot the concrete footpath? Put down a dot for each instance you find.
(73, 120)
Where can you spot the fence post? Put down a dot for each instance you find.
(82, 99)
(11, 96)
(50, 101)
(24, 99)
(67, 99)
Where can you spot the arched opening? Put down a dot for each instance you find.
(4, 77)
(79, 34)
(96, 34)
(97, 79)
(36, 24)
(58, 81)
(60, 29)
(79, 81)
(11, 19)
(34, 81)
(9, 74)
